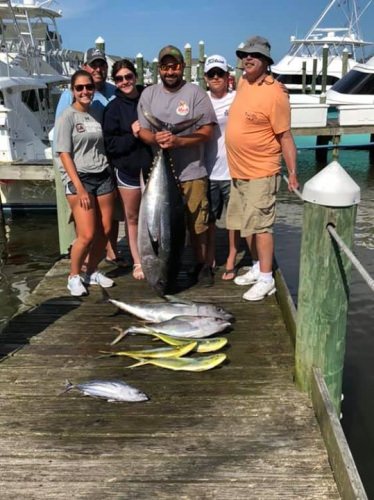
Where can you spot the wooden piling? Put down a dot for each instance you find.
(321, 153)
(140, 68)
(303, 77)
(66, 228)
(345, 62)
(188, 62)
(314, 76)
(325, 60)
(100, 44)
(323, 294)
(2, 233)
(155, 70)
(201, 79)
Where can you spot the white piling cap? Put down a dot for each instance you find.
(188, 46)
(139, 55)
(100, 39)
(332, 187)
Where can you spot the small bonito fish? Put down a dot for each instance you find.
(203, 345)
(163, 311)
(194, 327)
(158, 352)
(111, 390)
(184, 364)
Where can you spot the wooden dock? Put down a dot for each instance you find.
(241, 431)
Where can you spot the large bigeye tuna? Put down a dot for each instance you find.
(161, 230)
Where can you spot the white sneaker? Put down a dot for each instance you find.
(249, 277)
(98, 278)
(260, 290)
(75, 286)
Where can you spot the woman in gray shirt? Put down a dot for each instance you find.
(89, 185)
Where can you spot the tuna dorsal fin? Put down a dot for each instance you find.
(179, 300)
(175, 128)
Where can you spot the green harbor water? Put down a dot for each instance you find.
(32, 247)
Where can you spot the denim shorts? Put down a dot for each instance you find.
(218, 194)
(96, 184)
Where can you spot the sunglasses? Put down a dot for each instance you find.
(120, 78)
(172, 66)
(215, 72)
(88, 86)
(253, 55)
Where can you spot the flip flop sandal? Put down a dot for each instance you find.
(232, 272)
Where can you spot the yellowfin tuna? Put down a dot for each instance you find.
(184, 364)
(160, 352)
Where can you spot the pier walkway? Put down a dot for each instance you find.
(240, 431)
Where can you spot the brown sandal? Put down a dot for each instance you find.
(137, 272)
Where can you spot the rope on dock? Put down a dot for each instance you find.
(296, 191)
(357, 264)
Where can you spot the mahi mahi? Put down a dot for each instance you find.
(184, 364)
(161, 230)
(159, 352)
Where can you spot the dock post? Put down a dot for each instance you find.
(66, 229)
(201, 78)
(314, 75)
(154, 70)
(335, 151)
(188, 62)
(321, 153)
(331, 197)
(325, 62)
(371, 151)
(303, 77)
(100, 44)
(140, 68)
(2, 233)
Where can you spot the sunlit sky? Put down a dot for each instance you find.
(147, 25)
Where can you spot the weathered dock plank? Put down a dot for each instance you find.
(239, 431)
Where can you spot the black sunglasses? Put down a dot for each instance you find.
(253, 55)
(215, 72)
(120, 78)
(172, 66)
(88, 86)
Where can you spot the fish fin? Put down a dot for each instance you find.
(173, 299)
(155, 122)
(68, 386)
(121, 335)
(140, 362)
(181, 126)
(105, 354)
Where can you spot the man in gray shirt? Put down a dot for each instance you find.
(174, 100)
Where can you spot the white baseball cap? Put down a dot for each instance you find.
(215, 61)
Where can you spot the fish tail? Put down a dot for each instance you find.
(121, 335)
(68, 386)
(139, 362)
(105, 295)
(105, 354)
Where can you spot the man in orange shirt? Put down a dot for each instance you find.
(257, 135)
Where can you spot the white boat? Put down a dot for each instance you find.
(340, 40)
(33, 66)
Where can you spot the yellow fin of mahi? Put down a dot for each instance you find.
(160, 352)
(201, 364)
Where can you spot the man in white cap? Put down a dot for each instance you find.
(216, 75)
(257, 136)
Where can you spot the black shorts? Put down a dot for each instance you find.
(96, 184)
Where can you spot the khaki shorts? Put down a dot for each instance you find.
(197, 206)
(251, 207)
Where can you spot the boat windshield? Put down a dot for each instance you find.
(355, 82)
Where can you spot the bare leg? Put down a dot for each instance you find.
(104, 206)
(131, 202)
(265, 250)
(211, 245)
(234, 240)
(85, 230)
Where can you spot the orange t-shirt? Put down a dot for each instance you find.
(258, 113)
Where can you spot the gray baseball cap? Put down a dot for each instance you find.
(256, 45)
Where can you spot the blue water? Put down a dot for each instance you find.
(33, 247)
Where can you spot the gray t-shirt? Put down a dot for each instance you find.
(174, 107)
(81, 135)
